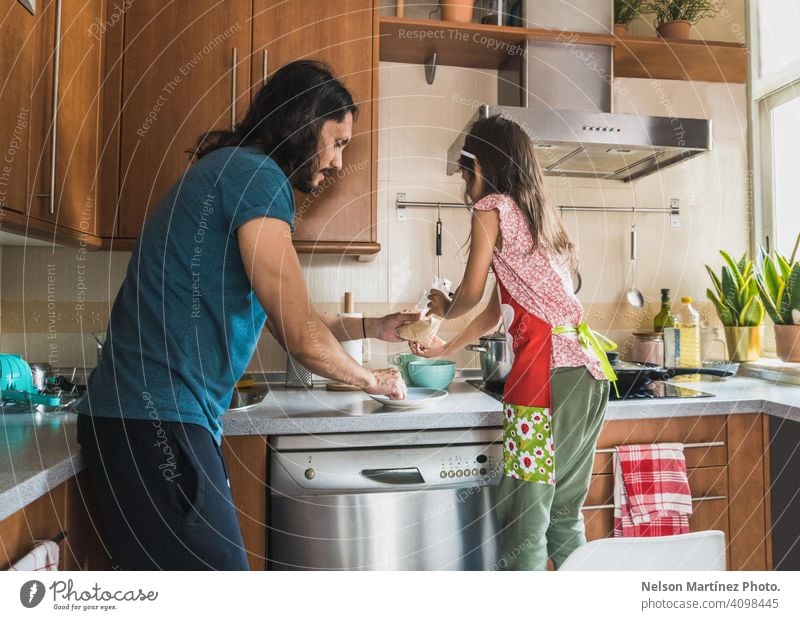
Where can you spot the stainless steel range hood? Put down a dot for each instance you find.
(579, 143)
(561, 94)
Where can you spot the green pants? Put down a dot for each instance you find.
(540, 520)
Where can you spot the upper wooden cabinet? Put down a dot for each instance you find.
(135, 87)
(184, 65)
(342, 216)
(65, 129)
(16, 58)
(50, 100)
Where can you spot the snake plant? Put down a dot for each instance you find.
(779, 286)
(626, 10)
(735, 294)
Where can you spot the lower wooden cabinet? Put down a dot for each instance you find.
(728, 474)
(247, 460)
(63, 509)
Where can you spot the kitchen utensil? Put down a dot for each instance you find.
(632, 377)
(495, 356)
(732, 367)
(402, 361)
(297, 375)
(436, 374)
(439, 242)
(648, 348)
(417, 397)
(16, 383)
(99, 348)
(709, 336)
(43, 375)
(635, 297)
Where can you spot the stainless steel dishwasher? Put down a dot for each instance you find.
(416, 500)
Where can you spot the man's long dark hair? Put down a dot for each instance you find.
(286, 117)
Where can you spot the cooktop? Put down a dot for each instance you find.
(655, 389)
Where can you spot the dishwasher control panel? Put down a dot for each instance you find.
(385, 469)
(471, 466)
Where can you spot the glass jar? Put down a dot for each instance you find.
(648, 348)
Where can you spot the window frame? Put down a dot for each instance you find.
(764, 94)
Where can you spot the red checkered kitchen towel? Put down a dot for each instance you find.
(651, 490)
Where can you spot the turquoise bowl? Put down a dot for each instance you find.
(436, 374)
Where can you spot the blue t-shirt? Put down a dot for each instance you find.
(186, 320)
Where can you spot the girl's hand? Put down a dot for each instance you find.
(438, 303)
(435, 349)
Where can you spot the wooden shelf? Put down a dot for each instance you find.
(486, 47)
(679, 59)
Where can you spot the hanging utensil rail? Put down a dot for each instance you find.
(402, 203)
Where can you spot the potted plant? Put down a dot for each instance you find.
(779, 286)
(624, 12)
(674, 18)
(457, 10)
(739, 307)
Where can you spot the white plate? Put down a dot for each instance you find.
(417, 397)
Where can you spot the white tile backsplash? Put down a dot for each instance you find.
(417, 123)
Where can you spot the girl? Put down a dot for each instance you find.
(555, 396)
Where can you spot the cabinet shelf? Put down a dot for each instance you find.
(483, 46)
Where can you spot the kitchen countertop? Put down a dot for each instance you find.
(39, 451)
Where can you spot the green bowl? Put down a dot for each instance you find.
(436, 374)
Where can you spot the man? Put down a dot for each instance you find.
(214, 262)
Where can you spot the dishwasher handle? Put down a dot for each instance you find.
(394, 475)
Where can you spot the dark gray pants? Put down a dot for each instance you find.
(161, 492)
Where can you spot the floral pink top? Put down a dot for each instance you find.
(540, 282)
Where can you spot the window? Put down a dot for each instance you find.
(774, 115)
(785, 131)
(775, 121)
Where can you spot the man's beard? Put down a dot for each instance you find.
(306, 186)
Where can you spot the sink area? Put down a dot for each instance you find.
(245, 398)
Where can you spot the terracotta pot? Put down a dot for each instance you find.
(621, 30)
(457, 10)
(787, 342)
(677, 29)
(744, 343)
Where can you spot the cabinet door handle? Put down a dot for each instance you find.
(234, 59)
(54, 112)
(264, 69)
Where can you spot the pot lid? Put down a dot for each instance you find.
(495, 336)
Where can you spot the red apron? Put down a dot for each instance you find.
(528, 383)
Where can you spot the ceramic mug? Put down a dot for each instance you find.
(401, 361)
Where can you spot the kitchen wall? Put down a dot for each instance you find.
(51, 300)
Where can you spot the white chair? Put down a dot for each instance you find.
(695, 551)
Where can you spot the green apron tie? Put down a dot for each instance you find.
(598, 343)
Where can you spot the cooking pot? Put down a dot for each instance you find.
(496, 356)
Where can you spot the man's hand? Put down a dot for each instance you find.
(385, 327)
(390, 382)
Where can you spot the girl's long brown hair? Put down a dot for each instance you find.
(508, 166)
